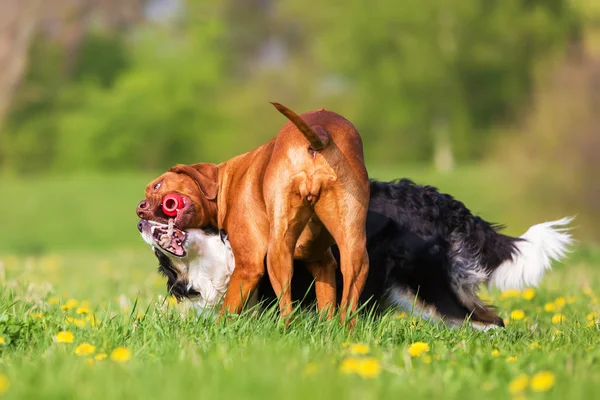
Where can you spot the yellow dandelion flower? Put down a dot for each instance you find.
(528, 294)
(64, 337)
(549, 307)
(171, 300)
(511, 359)
(558, 318)
(519, 384)
(349, 365)
(83, 310)
(509, 294)
(358, 348)
(535, 346)
(495, 353)
(418, 348)
(592, 316)
(346, 344)
(310, 369)
(4, 383)
(2, 341)
(100, 356)
(369, 367)
(85, 349)
(401, 315)
(121, 354)
(542, 381)
(560, 302)
(517, 315)
(36, 315)
(69, 305)
(54, 301)
(591, 324)
(75, 321)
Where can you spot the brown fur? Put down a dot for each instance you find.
(289, 198)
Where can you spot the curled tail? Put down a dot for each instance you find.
(533, 255)
(316, 135)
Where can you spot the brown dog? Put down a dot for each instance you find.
(289, 198)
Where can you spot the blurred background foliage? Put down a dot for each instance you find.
(101, 86)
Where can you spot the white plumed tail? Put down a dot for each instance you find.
(541, 244)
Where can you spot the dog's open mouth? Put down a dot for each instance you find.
(170, 240)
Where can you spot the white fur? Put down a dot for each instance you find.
(542, 244)
(208, 266)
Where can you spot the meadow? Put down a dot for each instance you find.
(84, 315)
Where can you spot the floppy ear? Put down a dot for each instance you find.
(205, 175)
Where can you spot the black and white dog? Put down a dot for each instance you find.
(428, 255)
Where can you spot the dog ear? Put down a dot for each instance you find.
(205, 175)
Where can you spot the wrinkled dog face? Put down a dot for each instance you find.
(202, 273)
(197, 187)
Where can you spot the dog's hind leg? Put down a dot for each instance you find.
(344, 216)
(323, 271)
(288, 215)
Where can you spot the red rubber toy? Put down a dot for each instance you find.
(171, 204)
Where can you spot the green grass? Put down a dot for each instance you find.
(176, 354)
(75, 238)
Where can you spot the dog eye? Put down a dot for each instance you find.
(157, 186)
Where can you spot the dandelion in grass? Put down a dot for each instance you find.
(69, 305)
(558, 318)
(358, 348)
(592, 316)
(349, 365)
(528, 294)
(121, 354)
(75, 321)
(418, 348)
(83, 310)
(511, 359)
(369, 367)
(517, 315)
(560, 302)
(549, 307)
(171, 300)
(495, 353)
(36, 315)
(519, 384)
(4, 383)
(365, 367)
(401, 315)
(85, 349)
(535, 346)
(509, 294)
(542, 381)
(591, 324)
(64, 337)
(2, 341)
(100, 356)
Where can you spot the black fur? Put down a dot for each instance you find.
(429, 213)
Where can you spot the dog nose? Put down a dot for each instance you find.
(142, 209)
(140, 225)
